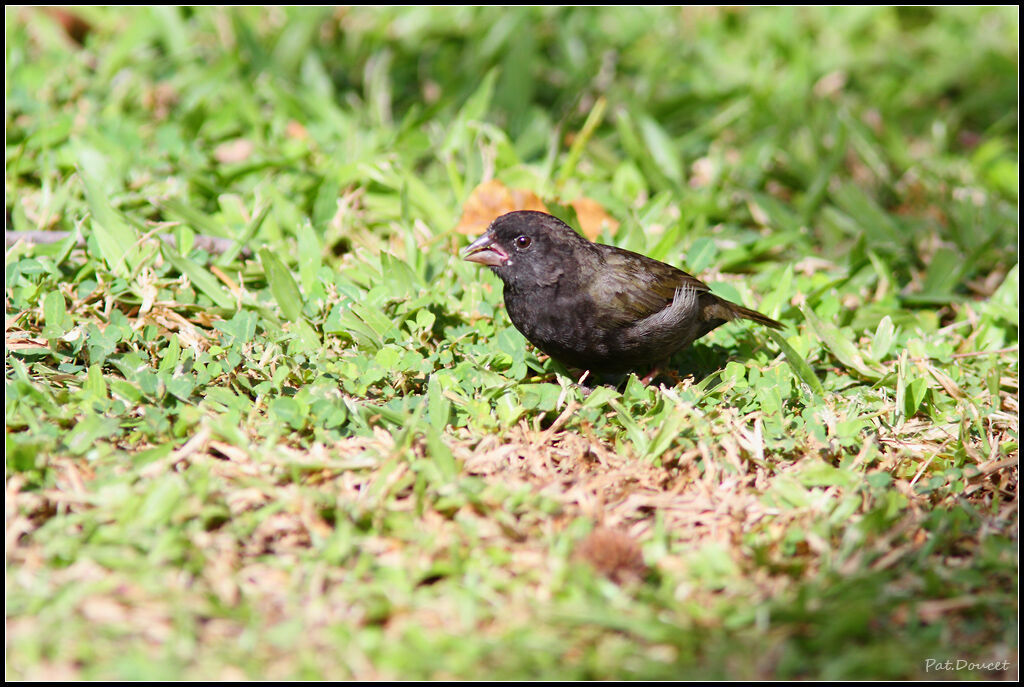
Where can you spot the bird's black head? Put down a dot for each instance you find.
(527, 248)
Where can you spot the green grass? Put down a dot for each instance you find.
(320, 450)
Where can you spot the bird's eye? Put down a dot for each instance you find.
(523, 242)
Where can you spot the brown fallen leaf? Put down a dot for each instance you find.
(295, 130)
(593, 218)
(21, 340)
(492, 199)
(74, 25)
(237, 150)
(614, 554)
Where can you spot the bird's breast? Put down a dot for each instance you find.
(563, 325)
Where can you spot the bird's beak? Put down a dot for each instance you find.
(485, 251)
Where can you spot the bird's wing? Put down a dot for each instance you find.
(631, 287)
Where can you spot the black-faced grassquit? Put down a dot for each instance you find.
(597, 307)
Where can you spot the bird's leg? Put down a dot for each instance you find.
(649, 377)
(586, 390)
(661, 369)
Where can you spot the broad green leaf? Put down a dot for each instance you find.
(841, 347)
(475, 108)
(662, 149)
(55, 314)
(882, 342)
(114, 236)
(580, 142)
(201, 277)
(282, 285)
(804, 372)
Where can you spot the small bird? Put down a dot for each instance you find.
(597, 307)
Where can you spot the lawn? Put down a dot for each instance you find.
(262, 422)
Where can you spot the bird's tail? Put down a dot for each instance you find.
(747, 314)
(727, 310)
